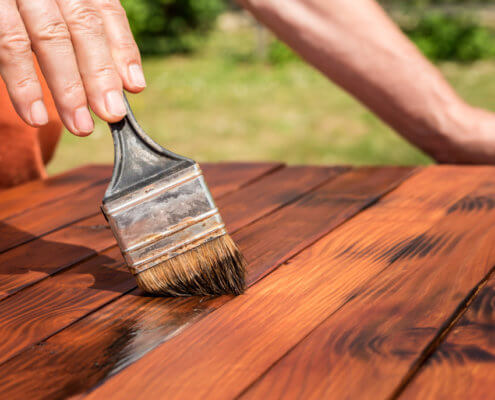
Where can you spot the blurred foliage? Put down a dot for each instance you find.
(178, 26)
(280, 54)
(444, 37)
(171, 26)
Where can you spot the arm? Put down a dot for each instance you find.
(357, 46)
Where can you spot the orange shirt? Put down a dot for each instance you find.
(24, 150)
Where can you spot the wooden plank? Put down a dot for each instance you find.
(463, 365)
(83, 203)
(33, 261)
(287, 232)
(15, 201)
(41, 310)
(116, 335)
(27, 264)
(245, 172)
(18, 199)
(40, 296)
(325, 208)
(379, 333)
(274, 191)
(219, 356)
(51, 216)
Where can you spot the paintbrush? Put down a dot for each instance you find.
(165, 221)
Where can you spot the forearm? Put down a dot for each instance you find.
(357, 46)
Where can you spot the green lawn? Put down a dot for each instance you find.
(221, 104)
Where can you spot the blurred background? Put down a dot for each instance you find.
(221, 87)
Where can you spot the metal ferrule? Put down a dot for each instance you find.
(164, 219)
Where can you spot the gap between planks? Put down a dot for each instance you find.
(444, 330)
(358, 189)
(433, 212)
(412, 386)
(308, 179)
(16, 201)
(352, 194)
(240, 312)
(469, 211)
(50, 216)
(239, 176)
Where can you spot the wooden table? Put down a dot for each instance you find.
(363, 283)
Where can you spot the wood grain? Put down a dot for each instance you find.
(51, 216)
(17, 200)
(463, 366)
(219, 175)
(39, 311)
(35, 260)
(109, 339)
(27, 264)
(44, 256)
(221, 354)
(378, 334)
(46, 217)
(287, 230)
(42, 302)
(325, 208)
(273, 191)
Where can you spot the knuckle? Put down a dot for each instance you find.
(24, 88)
(55, 31)
(128, 46)
(73, 90)
(85, 18)
(104, 71)
(15, 43)
(112, 7)
(26, 83)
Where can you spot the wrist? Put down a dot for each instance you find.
(467, 136)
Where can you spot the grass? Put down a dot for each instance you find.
(223, 104)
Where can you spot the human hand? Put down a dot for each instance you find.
(86, 52)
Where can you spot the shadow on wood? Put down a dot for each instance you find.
(38, 259)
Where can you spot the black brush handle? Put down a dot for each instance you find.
(138, 159)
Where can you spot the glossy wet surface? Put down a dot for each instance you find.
(363, 283)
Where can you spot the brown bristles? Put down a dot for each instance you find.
(211, 269)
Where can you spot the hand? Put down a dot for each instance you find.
(86, 52)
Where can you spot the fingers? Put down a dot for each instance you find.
(52, 44)
(86, 51)
(123, 47)
(17, 67)
(101, 80)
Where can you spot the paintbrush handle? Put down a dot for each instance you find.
(138, 158)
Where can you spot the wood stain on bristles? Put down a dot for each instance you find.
(214, 268)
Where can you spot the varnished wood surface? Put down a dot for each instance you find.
(380, 330)
(463, 365)
(363, 283)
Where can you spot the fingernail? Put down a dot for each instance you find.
(39, 115)
(115, 103)
(83, 121)
(137, 76)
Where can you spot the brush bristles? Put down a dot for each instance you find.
(214, 268)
